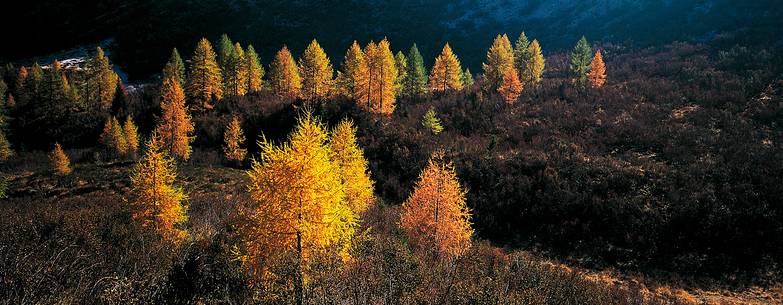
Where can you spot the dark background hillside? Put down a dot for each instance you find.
(144, 30)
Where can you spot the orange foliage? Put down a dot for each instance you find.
(597, 74)
(510, 88)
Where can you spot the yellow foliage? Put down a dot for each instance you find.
(353, 167)
(510, 88)
(60, 162)
(535, 65)
(435, 217)
(131, 136)
(446, 74)
(316, 71)
(157, 202)
(284, 76)
(352, 80)
(175, 127)
(233, 138)
(500, 58)
(382, 71)
(205, 81)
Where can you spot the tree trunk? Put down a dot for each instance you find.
(298, 281)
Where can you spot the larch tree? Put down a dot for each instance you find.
(446, 74)
(101, 81)
(131, 136)
(235, 72)
(416, 76)
(175, 68)
(298, 202)
(352, 80)
(354, 169)
(21, 87)
(534, 67)
(401, 62)
(316, 71)
(284, 78)
(205, 80)
(225, 51)
(500, 58)
(233, 139)
(511, 87)
(383, 74)
(156, 202)
(431, 122)
(597, 74)
(60, 162)
(521, 53)
(467, 78)
(435, 218)
(581, 58)
(255, 71)
(175, 127)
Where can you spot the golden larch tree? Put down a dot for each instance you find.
(156, 201)
(316, 71)
(175, 127)
(500, 58)
(101, 82)
(298, 201)
(597, 74)
(255, 71)
(352, 80)
(233, 139)
(60, 162)
(435, 217)
(284, 78)
(354, 169)
(131, 136)
(235, 74)
(382, 71)
(510, 88)
(531, 74)
(205, 80)
(113, 138)
(446, 74)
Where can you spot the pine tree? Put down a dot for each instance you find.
(156, 201)
(175, 68)
(175, 127)
(510, 88)
(225, 52)
(467, 78)
(580, 60)
(353, 78)
(235, 72)
(354, 169)
(431, 121)
(500, 58)
(255, 71)
(521, 53)
(131, 136)
(101, 82)
(535, 64)
(60, 162)
(233, 139)
(205, 81)
(299, 204)
(402, 72)
(435, 217)
(597, 74)
(446, 74)
(284, 76)
(416, 76)
(316, 71)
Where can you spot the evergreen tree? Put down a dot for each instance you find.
(416, 76)
(467, 78)
(60, 162)
(597, 74)
(156, 201)
(233, 139)
(175, 127)
(235, 73)
(225, 51)
(581, 58)
(175, 68)
(402, 72)
(284, 78)
(205, 81)
(510, 88)
(534, 67)
(446, 74)
(316, 71)
(521, 53)
(500, 58)
(431, 121)
(353, 77)
(255, 71)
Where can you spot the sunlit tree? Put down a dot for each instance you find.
(316, 71)
(175, 68)
(446, 74)
(352, 80)
(431, 121)
(354, 169)
(233, 139)
(510, 88)
(205, 81)
(175, 127)
(416, 77)
(284, 78)
(131, 136)
(597, 74)
(101, 81)
(60, 162)
(255, 71)
(500, 58)
(534, 68)
(382, 77)
(581, 58)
